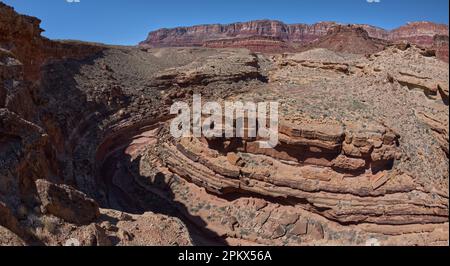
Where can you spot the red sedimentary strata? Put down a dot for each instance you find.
(350, 39)
(265, 44)
(440, 44)
(38, 205)
(86, 151)
(197, 35)
(245, 34)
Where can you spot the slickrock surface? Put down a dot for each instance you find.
(86, 156)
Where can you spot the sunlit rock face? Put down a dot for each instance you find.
(255, 35)
(86, 153)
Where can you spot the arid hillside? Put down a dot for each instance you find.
(86, 156)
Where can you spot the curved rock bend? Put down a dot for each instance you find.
(86, 156)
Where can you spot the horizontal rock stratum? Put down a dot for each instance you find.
(86, 155)
(420, 33)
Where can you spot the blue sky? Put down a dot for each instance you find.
(129, 21)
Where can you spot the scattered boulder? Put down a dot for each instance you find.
(67, 203)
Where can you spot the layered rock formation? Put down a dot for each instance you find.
(36, 207)
(420, 33)
(86, 156)
(263, 44)
(349, 39)
(440, 44)
(246, 35)
(341, 162)
(197, 35)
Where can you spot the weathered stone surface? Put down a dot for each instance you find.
(95, 235)
(300, 227)
(241, 66)
(350, 39)
(265, 44)
(420, 33)
(315, 231)
(196, 35)
(440, 44)
(362, 149)
(67, 203)
(8, 222)
(346, 163)
(8, 238)
(261, 35)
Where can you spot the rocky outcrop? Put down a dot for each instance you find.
(8, 238)
(349, 39)
(35, 147)
(21, 35)
(263, 44)
(419, 33)
(438, 129)
(86, 156)
(237, 67)
(440, 44)
(67, 203)
(197, 35)
(319, 154)
(375, 32)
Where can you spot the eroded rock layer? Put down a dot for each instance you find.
(253, 35)
(86, 156)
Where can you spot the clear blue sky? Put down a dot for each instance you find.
(129, 21)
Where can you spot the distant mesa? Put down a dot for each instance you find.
(350, 39)
(87, 158)
(276, 36)
(256, 43)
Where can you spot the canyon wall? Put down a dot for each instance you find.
(420, 33)
(196, 35)
(86, 152)
(42, 198)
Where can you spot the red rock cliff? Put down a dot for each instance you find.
(420, 33)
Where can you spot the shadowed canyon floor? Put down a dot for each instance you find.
(86, 154)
